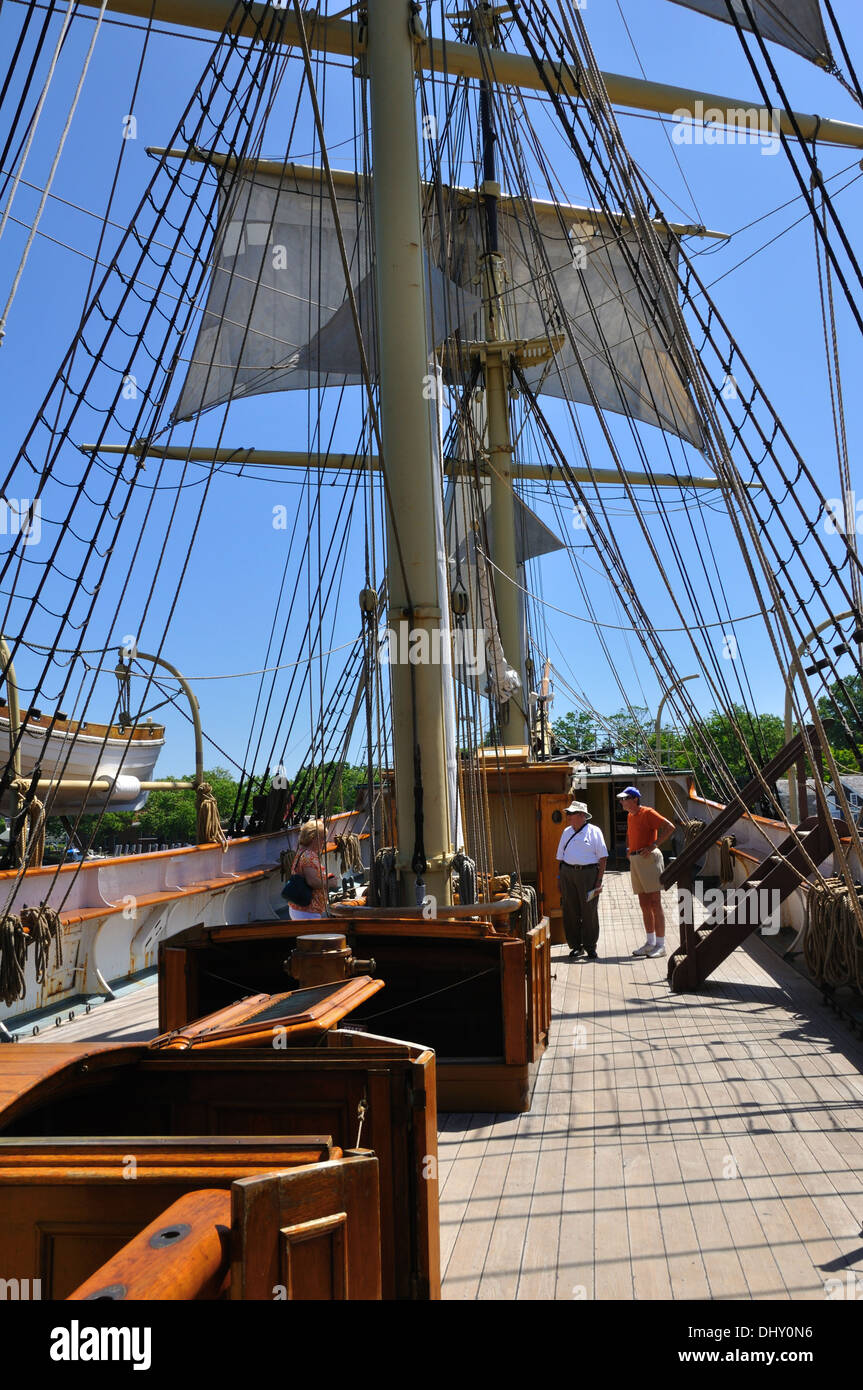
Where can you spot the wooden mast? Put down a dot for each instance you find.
(409, 459)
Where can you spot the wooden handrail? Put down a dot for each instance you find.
(184, 1254)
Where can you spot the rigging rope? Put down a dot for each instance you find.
(13, 959)
(37, 219)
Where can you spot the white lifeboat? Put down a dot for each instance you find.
(117, 758)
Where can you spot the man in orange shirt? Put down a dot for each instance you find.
(646, 830)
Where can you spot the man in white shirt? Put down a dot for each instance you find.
(582, 856)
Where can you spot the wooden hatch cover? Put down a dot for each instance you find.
(297, 1017)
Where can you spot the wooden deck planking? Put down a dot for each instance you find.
(131, 1017)
(713, 1144)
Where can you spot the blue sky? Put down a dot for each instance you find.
(223, 609)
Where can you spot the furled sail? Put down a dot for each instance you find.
(277, 317)
(795, 23)
(469, 528)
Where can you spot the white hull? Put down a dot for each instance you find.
(75, 756)
(115, 912)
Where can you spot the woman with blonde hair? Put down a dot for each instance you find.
(308, 865)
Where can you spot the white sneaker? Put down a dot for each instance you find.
(657, 950)
(644, 950)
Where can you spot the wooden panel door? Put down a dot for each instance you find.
(309, 1234)
(550, 825)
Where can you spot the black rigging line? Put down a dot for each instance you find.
(806, 191)
(64, 382)
(777, 426)
(854, 87)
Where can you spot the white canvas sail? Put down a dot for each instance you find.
(797, 24)
(277, 317)
(582, 285)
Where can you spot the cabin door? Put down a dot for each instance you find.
(617, 820)
(310, 1233)
(550, 825)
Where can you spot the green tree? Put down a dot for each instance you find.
(762, 734)
(841, 716)
(576, 731)
(331, 787)
(631, 732)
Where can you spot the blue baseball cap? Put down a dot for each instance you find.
(629, 791)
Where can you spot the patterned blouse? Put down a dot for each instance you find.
(310, 859)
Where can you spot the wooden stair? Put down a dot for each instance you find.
(769, 884)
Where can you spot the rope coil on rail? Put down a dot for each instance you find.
(350, 858)
(726, 860)
(464, 872)
(210, 830)
(13, 957)
(832, 945)
(29, 826)
(385, 884)
(527, 917)
(43, 926)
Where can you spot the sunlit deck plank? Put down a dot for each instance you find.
(713, 1147)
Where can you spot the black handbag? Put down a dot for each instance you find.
(297, 892)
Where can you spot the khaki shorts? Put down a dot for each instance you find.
(645, 872)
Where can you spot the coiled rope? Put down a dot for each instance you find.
(527, 916)
(465, 872)
(691, 830)
(210, 830)
(43, 926)
(350, 858)
(29, 827)
(832, 945)
(13, 957)
(726, 860)
(384, 879)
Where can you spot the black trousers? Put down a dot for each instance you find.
(580, 918)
